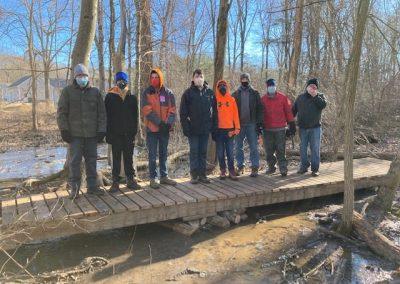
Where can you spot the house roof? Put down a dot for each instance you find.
(19, 81)
(56, 83)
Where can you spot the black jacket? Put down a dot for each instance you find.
(308, 110)
(256, 108)
(122, 115)
(196, 110)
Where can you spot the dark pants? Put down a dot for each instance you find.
(312, 137)
(225, 145)
(87, 148)
(157, 143)
(198, 154)
(275, 149)
(122, 145)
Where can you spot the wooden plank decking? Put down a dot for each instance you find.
(44, 216)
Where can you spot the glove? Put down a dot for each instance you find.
(292, 129)
(259, 129)
(100, 136)
(164, 128)
(66, 136)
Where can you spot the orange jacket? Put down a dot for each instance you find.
(226, 115)
(158, 105)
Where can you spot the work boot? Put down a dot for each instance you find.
(283, 173)
(315, 173)
(232, 175)
(254, 172)
(131, 183)
(239, 171)
(168, 181)
(114, 187)
(73, 193)
(222, 175)
(194, 177)
(204, 179)
(154, 184)
(95, 191)
(270, 171)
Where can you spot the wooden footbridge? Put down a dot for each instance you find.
(44, 216)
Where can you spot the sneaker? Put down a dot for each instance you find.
(95, 191)
(114, 187)
(73, 193)
(132, 184)
(315, 173)
(302, 171)
(168, 181)
(154, 184)
(239, 171)
(254, 172)
(194, 178)
(222, 175)
(270, 171)
(204, 179)
(232, 175)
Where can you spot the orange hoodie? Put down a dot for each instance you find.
(228, 115)
(158, 105)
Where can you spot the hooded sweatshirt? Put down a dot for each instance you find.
(158, 105)
(226, 115)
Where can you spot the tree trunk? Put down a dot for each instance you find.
(387, 193)
(32, 65)
(111, 46)
(46, 75)
(100, 46)
(219, 61)
(295, 57)
(351, 88)
(86, 32)
(119, 63)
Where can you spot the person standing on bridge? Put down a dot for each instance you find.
(122, 124)
(196, 120)
(251, 120)
(159, 113)
(308, 108)
(226, 125)
(277, 115)
(81, 118)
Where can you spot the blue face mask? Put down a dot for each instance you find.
(82, 81)
(271, 91)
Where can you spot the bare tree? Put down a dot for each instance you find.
(99, 40)
(111, 45)
(119, 58)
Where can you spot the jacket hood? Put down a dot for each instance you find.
(114, 90)
(160, 74)
(218, 93)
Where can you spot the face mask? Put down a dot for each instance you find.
(311, 90)
(155, 82)
(82, 81)
(198, 82)
(245, 84)
(122, 85)
(222, 89)
(271, 90)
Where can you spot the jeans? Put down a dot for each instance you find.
(198, 154)
(122, 145)
(310, 136)
(78, 148)
(156, 140)
(225, 145)
(275, 149)
(247, 131)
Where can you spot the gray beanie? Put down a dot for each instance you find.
(80, 69)
(245, 76)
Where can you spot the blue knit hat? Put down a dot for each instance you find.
(121, 76)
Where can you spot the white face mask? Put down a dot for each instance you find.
(271, 90)
(198, 81)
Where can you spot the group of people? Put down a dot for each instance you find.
(85, 119)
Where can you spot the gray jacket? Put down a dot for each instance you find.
(81, 111)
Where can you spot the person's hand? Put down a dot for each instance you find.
(66, 136)
(100, 136)
(292, 128)
(259, 129)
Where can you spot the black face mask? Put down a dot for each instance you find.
(245, 84)
(122, 85)
(222, 89)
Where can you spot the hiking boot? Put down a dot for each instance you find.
(270, 171)
(284, 173)
(315, 173)
(239, 171)
(114, 187)
(168, 181)
(254, 172)
(302, 171)
(154, 184)
(194, 178)
(95, 191)
(132, 184)
(232, 175)
(73, 193)
(204, 179)
(222, 175)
